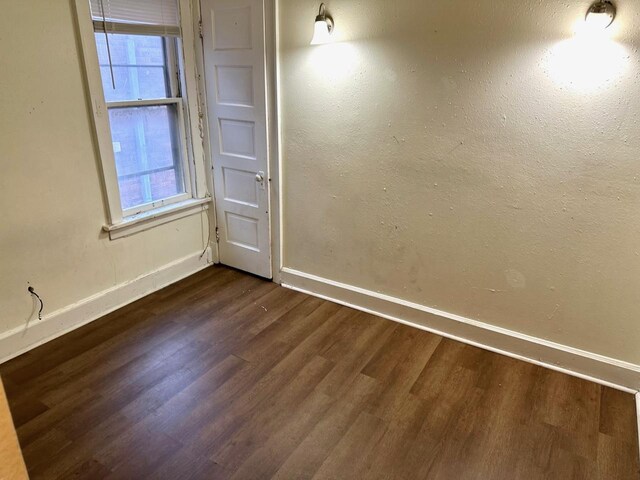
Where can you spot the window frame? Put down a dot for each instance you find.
(171, 46)
(186, 174)
(188, 111)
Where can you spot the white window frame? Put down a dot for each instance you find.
(175, 99)
(196, 197)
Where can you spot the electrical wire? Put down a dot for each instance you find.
(33, 292)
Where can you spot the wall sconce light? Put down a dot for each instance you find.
(322, 28)
(600, 15)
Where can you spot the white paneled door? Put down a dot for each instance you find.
(234, 51)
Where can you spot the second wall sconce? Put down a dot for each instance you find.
(322, 28)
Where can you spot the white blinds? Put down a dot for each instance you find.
(149, 12)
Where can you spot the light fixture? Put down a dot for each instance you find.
(600, 15)
(322, 28)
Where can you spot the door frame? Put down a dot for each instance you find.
(271, 43)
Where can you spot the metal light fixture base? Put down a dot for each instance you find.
(323, 17)
(602, 7)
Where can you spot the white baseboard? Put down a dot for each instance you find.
(598, 368)
(19, 340)
(638, 418)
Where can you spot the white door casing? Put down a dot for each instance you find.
(234, 57)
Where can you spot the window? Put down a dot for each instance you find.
(144, 115)
(135, 67)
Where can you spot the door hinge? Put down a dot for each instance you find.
(200, 28)
(217, 235)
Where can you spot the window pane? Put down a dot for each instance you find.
(139, 67)
(147, 152)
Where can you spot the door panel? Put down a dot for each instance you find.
(233, 36)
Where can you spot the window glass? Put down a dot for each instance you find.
(139, 67)
(147, 153)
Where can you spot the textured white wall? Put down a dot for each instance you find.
(51, 206)
(469, 156)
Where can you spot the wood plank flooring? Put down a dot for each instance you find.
(224, 375)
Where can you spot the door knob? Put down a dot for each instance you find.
(260, 177)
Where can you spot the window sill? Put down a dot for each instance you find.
(158, 216)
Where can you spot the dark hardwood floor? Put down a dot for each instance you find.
(224, 375)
